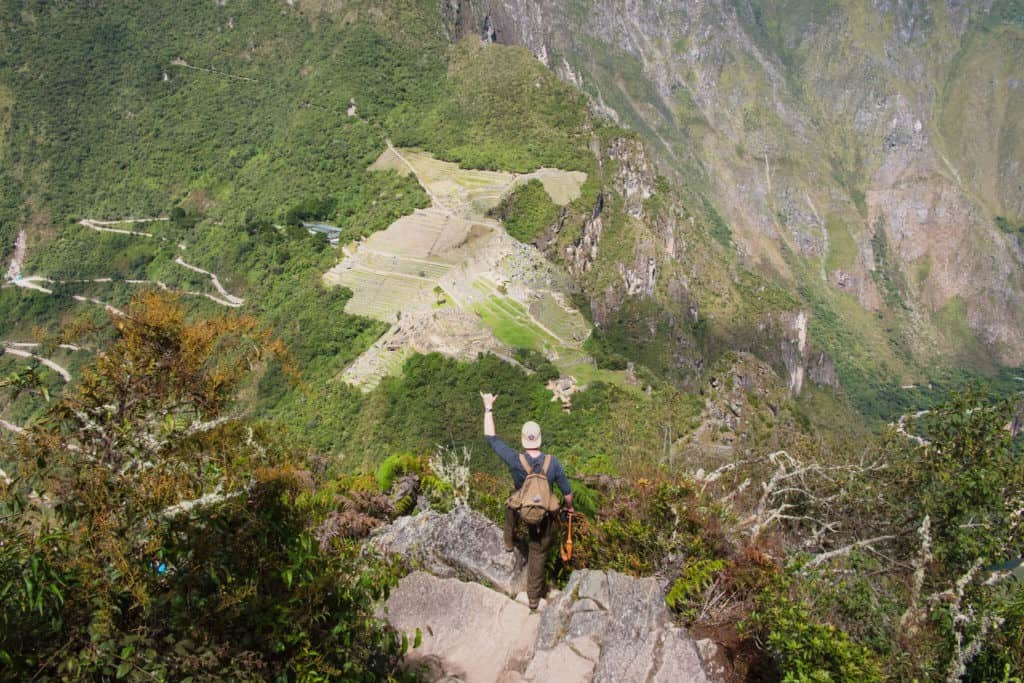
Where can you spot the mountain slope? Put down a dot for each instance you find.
(859, 155)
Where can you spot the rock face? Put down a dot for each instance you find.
(462, 543)
(582, 253)
(611, 627)
(604, 626)
(821, 130)
(634, 176)
(469, 632)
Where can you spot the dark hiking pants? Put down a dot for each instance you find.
(539, 543)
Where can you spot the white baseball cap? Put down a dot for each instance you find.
(531, 435)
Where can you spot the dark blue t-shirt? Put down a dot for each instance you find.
(510, 456)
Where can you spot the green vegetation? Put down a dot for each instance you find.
(527, 211)
(719, 228)
(250, 137)
(804, 650)
(135, 574)
(509, 321)
(500, 109)
(842, 250)
(886, 274)
(697, 576)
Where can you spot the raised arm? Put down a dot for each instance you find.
(509, 456)
(489, 400)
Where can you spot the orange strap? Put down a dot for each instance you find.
(566, 552)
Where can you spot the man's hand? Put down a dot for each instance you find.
(489, 400)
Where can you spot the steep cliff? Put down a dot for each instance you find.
(856, 153)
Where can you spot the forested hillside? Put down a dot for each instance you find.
(197, 427)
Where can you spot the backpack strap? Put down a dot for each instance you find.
(526, 465)
(547, 464)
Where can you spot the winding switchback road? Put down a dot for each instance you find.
(56, 367)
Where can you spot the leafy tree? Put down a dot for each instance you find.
(150, 533)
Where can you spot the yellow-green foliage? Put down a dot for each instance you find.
(697, 576)
(501, 109)
(396, 465)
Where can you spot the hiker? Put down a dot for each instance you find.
(536, 511)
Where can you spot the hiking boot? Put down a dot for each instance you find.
(534, 604)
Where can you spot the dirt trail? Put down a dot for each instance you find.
(901, 428)
(433, 197)
(234, 300)
(101, 226)
(56, 367)
(225, 299)
(110, 309)
(185, 65)
(36, 345)
(18, 259)
(30, 283)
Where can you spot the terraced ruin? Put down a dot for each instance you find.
(452, 256)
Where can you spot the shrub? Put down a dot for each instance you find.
(527, 211)
(802, 649)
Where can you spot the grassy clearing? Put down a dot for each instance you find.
(512, 325)
(842, 250)
(587, 373)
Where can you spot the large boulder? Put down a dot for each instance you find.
(627, 619)
(462, 543)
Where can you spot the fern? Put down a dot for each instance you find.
(697, 576)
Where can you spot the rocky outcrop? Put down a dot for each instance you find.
(794, 351)
(634, 174)
(801, 360)
(611, 627)
(603, 626)
(581, 254)
(462, 543)
(822, 371)
(640, 278)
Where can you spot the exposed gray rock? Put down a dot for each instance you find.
(470, 632)
(628, 621)
(634, 177)
(604, 626)
(582, 253)
(462, 543)
(563, 663)
(866, 131)
(822, 371)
